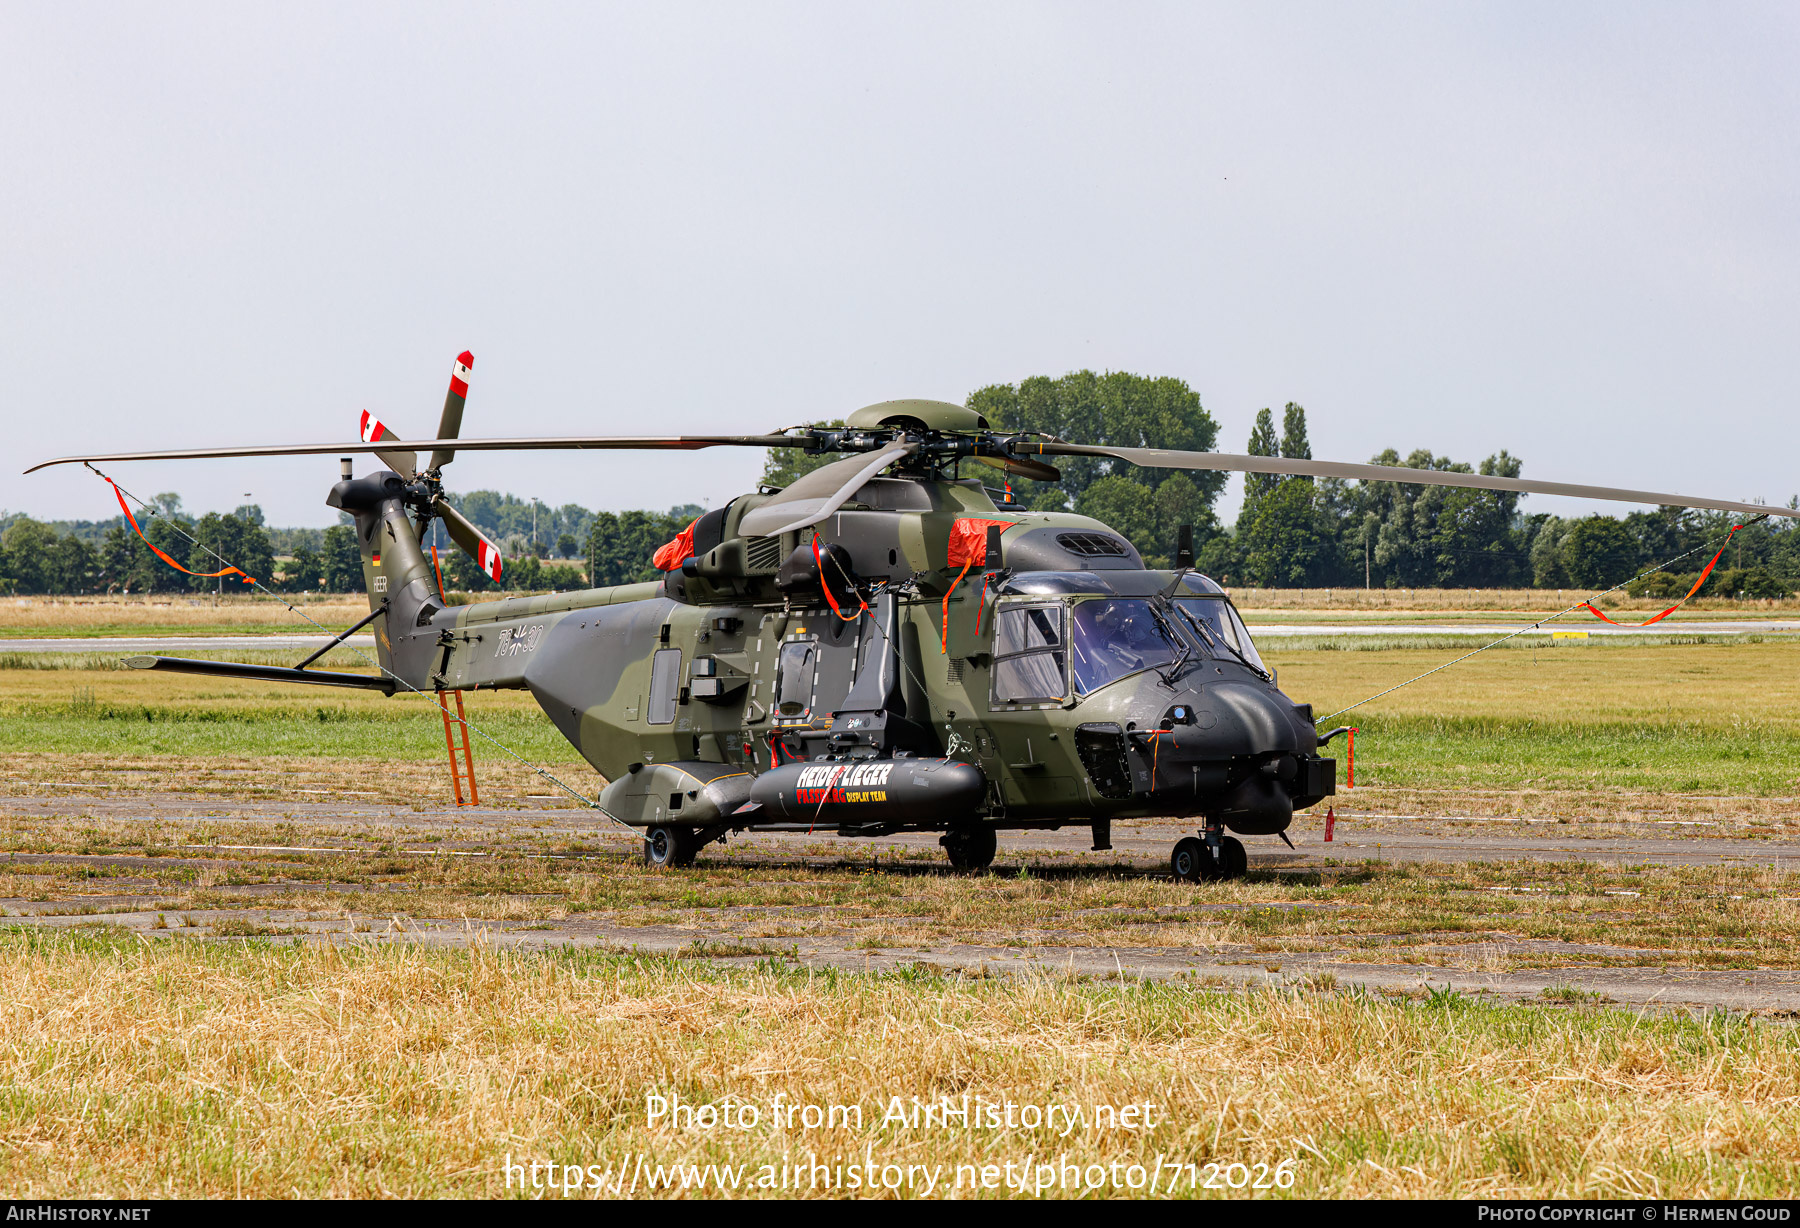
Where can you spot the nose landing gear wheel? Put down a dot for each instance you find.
(971, 847)
(667, 848)
(1193, 862)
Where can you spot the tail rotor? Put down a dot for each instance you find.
(429, 501)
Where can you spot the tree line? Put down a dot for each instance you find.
(1290, 531)
(109, 557)
(1298, 532)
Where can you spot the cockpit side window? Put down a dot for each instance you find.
(1029, 655)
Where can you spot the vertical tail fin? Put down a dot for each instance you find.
(396, 573)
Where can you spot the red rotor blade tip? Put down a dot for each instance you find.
(490, 560)
(459, 374)
(372, 429)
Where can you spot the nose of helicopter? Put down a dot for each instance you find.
(1225, 719)
(1234, 749)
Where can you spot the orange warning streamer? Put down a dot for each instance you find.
(1697, 583)
(204, 575)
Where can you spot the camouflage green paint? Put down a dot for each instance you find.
(589, 658)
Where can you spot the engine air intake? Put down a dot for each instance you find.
(1092, 545)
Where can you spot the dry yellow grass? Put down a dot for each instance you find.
(83, 615)
(1538, 601)
(258, 612)
(165, 1067)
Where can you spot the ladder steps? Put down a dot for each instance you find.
(455, 745)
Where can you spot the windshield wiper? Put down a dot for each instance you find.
(1221, 642)
(1168, 629)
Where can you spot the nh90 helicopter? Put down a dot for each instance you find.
(882, 646)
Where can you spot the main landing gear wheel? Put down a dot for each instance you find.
(1231, 852)
(667, 848)
(971, 847)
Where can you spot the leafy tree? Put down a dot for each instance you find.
(305, 571)
(621, 545)
(1294, 444)
(1281, 544)
(343, 560)
(531, 574)
(1180, 501)
(1473, 538)
(1297, 541)
(1221, 559)
(509, 520)
(117, 555)
(1115, 408)
(1128, 508)
(222, 540)
(29, 546)
(74, 566)
(128, 565)
(1598, 552)
(1256, 485)
(1547, 569)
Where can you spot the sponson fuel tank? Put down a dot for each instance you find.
(870, 792)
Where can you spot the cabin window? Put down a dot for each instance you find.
(665, 686)
(794, 684)
(1029, 655)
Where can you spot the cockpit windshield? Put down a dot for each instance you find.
(1218, 616)
(1114, 637)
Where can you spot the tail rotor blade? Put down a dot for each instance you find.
(450, 425)
(471, 539)
(406, 464)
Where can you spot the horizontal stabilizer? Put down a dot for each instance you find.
(263, 673)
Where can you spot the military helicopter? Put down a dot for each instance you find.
(883, 646)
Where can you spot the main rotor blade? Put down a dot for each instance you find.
(816, 495)
(564, 443)
(473, 541)
(1162, 458)
(450, 421)
(1019, 467)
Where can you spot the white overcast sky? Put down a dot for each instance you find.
(1568, 230)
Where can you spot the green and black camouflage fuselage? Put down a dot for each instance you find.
(1063, 687)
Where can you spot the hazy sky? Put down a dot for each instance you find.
(1567, 230)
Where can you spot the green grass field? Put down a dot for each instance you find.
(1718, 717)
